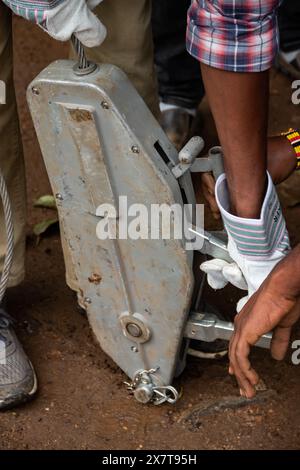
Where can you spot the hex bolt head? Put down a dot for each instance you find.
(143, 394)
(135, 149)
(105, 105)
(134, 330)
(134, 349)
(87, 300)
(35, 90)
(59, 197)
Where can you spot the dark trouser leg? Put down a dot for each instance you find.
(179, 76)
(289, 25)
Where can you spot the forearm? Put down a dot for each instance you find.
(239, 104)
(236, 43)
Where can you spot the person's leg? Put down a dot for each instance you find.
(129, 45)
(17, 378)
(11, 154)
(179, 77)
(289, 27)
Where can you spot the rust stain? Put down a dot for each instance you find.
(80, 115)
(95, 278)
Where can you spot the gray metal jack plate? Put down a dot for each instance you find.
(99, 141)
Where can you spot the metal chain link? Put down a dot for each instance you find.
(166, 394)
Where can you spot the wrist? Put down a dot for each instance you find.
(284, 280)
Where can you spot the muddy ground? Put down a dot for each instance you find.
(82, 402)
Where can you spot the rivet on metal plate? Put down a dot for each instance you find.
(135, 149)
(105, 105)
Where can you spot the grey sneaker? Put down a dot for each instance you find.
(18, 382)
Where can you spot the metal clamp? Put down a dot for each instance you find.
(188, 160)
(145, 391)
(212, 163)
(207, 327)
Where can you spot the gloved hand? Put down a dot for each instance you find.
(76, 18)
(255, 245)
(220, 273)
(62, 18)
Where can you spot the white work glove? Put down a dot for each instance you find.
(220, 273)
(75, 17)
(255, 245)
(66, 18)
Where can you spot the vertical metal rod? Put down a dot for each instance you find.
(84, 66)
(9, 226)
(83, 63)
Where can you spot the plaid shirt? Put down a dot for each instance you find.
(236, 35)
(33, 10)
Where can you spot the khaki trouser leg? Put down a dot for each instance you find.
(11, 153)
(129, 46)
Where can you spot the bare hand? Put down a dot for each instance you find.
(268, 309)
